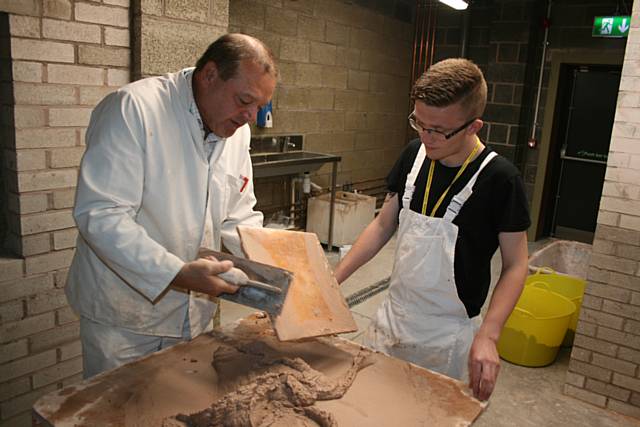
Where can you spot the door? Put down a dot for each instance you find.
(586, 116)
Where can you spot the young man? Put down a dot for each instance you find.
(166, 171)
(453, 201)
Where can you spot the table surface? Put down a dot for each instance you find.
(182, 379)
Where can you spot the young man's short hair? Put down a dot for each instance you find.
(451, 81)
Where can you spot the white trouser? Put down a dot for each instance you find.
(106, 347)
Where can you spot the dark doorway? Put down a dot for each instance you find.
(585, 109)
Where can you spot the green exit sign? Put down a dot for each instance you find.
(611, 26)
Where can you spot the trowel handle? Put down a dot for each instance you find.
(235, 276)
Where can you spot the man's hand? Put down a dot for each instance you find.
(201, 275)
(484, 365)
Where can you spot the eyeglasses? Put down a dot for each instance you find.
(434, 132)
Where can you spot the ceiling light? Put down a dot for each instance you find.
(456, 4)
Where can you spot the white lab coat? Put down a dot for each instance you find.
(145, 193)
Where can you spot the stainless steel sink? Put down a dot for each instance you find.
(289, 163)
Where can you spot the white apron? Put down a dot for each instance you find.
(422, 320)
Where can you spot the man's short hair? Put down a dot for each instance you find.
(229, 50)
(451, 81)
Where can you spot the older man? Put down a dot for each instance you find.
(166, 171)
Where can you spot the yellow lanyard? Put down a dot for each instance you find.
(430, 178)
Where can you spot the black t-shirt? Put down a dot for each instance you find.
(498, 204)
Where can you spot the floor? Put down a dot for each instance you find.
(522, 397)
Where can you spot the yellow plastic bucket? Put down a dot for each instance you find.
(570, 287)
(533, 333)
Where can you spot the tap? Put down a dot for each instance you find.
(287, 144)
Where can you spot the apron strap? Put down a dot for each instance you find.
(409, 185)
(461, 198)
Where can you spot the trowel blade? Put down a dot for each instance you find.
(262, 299)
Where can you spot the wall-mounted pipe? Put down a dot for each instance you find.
(464, 36)
(532, 143)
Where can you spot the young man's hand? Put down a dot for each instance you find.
(201, 275)
(484, 366)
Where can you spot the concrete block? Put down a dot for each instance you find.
(347, 57)
(355, 121)
(117, 77)
(31, 94)
(311, 28)
(41, 50)
(628, 251)
(151, 7)
(30, 203)
(21, 7)
(581, 354)
(321, 99)
(57, 9)
(10, 268)
(62, 117)
(65, 157)
(293, 98)
(14, 388)
(22, 328)
(337, 11)
(334, 77)
(630, 222)
(65, 239)
(57, 372)
(322, 53)
(24, 26)
(92, 95)
(65, 315)
(281, 21)
(621, 309)
(168, 46)
(27, 71)
(586, 328)
(616, 365)
(618, 337)
(34, 181)
(123, 3)
(593, 344)
(338, 34)
(70, 350)
(49, 262)
(14, 350)
(24, 402)
(575, 380)
(333, 121)
(609, 291)
(61, 335)
(629, 354)
(116, 37)
(107, 15)
(187, 10)
(608, 218)
(11, 311)
(346, 100)
(63, 198)
(632, 327)
(607, 389)
(74, 74)
(36, 244)
(60, 277)
(219, 15)
(45, 138)
(358, 80)
(625, 281)
(42, 302)
(247, 13)
(612, 263)
(29, 117)
(74, 31)
(309, 75)
(25, 286)
(627, 382)
(590, 371)
(294, 49)
(589, 301)
(110, 56)
(27, 160)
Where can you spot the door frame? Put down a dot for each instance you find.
(558, 59)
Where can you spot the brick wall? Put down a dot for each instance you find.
(344, 79)
(604, 368)
(64, 56)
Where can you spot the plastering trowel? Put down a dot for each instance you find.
(261, 286)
